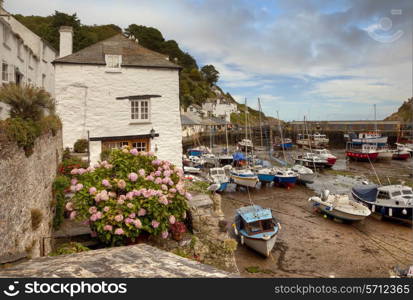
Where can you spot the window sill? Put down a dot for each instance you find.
(117, 70)
(139, 122)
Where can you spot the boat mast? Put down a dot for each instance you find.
(226, 132)
(281, 135)
(259, 108)
(375, 119)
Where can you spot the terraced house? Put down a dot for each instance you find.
(118, 93)
(25, 58)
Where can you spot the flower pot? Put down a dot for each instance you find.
(177, 236)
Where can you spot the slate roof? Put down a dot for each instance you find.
(133, 54)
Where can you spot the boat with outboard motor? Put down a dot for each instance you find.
(257, 228)
(340, 206)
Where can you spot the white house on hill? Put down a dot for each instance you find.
(220, 108)
(119, 93)
(24, 57)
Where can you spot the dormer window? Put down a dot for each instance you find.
(113, 62)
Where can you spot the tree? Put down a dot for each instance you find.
(210, 74)
(26, 101)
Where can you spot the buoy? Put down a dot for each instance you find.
(325, 216)
(404, 212)
(390, 212)
(242, 240)
(373, 208)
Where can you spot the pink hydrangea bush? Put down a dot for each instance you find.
(132, 193)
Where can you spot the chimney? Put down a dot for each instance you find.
(66, 40)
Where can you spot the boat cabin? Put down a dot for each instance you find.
(369, 135)
(217, 171)
(255, 220)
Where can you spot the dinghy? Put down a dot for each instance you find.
(340, 207)
(390, 200)
(284, 177)
(266, 175)
(244, 177)
(305, 175)
(219, 177)
(256, 228)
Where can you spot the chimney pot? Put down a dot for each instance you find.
(66, 41)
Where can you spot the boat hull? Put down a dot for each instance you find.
(404, 213)
(245, 181)
(287, 181)
(261, 246)
(312, 165)
(401, 156)
(285, 146)
(222, 187)
(385, 155)
(331, 161)
(362, 156)
(266, 178)
(337, 213)
(306, 178)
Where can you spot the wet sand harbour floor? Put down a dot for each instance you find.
(311, 246)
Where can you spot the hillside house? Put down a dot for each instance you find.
(220, 108)
(24, 57)
(118, 93)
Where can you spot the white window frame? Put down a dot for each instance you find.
(136, 110)
(5, 71)
(113, 63)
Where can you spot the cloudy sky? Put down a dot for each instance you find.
(328, 60)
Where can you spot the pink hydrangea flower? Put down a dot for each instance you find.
(99, 215)
(81, 171)
(118, 218)
(172, 219)
(106, 208)
(73, 181)
(122, 197)
(128, 221)
(106, 182)
(74, 171)
(92, 190)
(164, 187)
(72, 215)
(172, 190)
(156, 162)
(158, 180)
(158, 173)
(132, 215)
(121, 184)
(69, 206)
(121, 201)
(73, 188)
(137, 223)
(142, 172)
(129, 205)
(104, 195)
(136, 193)
(151, 153)
(165, 234)
(141, 212)
(188, 196)
(167, 173)
(163, 200)
(92, 209)
(155, 224)
(93, 218)
(150, 178)
(129, 195)
(133, 176)
(107, 227)
(134, 151)
(112, 194)
(79, 186)
(119, 231)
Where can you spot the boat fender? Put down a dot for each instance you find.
(404, 212)
(279, 226)
(242, 240)
(235, 229)
(373, 208)
(390, 212)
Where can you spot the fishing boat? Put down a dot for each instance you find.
(405, 147)
(316, 140)
(245, 145)
(389, 200)
(340, 206)
(256, 228)
(311, 160)
(363, 152)
(304, 174)
(191, 170)
(218, 176)
(225, 159)
(284, 177)
(285, 143)
(385, 153)
(327, 155)
(244, 177)
(374, 138)
(400, 154)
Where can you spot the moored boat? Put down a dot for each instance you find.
(327, 155)
(316, 140)
(285, 143)
(244, 177)
(311, 160)
(374, 138)
(284, 177)
(305, 175)
(245, 145)
(364, 153)
(256, 228)
(340, 207)
(390, 200)
(266, 175)
(219, 177)
(401, 154)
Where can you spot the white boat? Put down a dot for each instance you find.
(245, 144)
(327, 155)
(369, 138)
(256, 228)
(218, 176)
(305, 175)
(315, 140)
(384, 153)
(191, 170)
(405, 148)
(311, 160)
(210, 159)
(340, 206)
(244, 177)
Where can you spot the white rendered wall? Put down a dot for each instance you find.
(86, 100)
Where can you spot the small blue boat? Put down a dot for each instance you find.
(257, 228)
(195, 152)
(219, 177)
(265, 175)
(285, 177)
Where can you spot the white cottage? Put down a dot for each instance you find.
(117, 93)
(25, 58)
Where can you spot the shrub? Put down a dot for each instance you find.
(131, 194)
(105, 154)
(36, 216)
(27, 101)
(60, 184)
(81, 146)
(69, 163)
(69, 248)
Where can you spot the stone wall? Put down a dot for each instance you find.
(26, 200)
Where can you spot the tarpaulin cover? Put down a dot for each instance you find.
(238, 156)
(366, 192)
